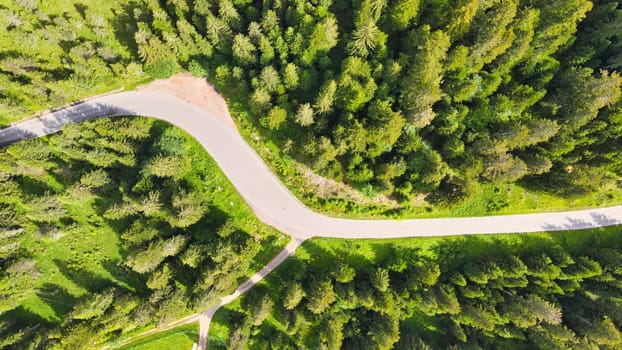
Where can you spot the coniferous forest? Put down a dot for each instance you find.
(116, 226)
(531, 291)
(398, 97)
(113, 227)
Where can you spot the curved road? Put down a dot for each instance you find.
(270, 200)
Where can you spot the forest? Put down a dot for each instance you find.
(116, 226)
(530, 291)
(400, 97)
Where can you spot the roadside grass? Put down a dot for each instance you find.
(179, 338)
(319, 255)
(370, 252)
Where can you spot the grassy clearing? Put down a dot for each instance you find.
(180, 338)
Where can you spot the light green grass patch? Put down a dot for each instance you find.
(180, 338)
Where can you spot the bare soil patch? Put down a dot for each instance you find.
(328, 188)
(194, 90)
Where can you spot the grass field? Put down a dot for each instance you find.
(180, 338)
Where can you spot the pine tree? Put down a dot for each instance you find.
(261, 310)
(275, 118)
(380, 279)
(304, 116)
(364, 39)
(243, 49)
(326, 97)
(290, 76)
(293, 295)
(167, 166)
(269, 78)
(321, 296)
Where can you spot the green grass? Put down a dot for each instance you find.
(180, 338)
(72, 266)
(487, 199)
(365, 252)
(84, 258)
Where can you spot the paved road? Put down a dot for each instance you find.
(270, 200)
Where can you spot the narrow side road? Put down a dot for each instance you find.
(182, 321)
(206, 317)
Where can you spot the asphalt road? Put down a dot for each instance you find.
(271, 201)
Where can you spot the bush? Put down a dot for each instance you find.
(162, 69)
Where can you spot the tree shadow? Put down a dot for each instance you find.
(604, 220)
(57, 297)
(571, 224)
(125, 25)
(32, 186)
(453, 252)
(124, 275)
(22, 317)
(557, 182)
(205, 229)
(81, 8)
(292, 269)
(323, 261)
(81, 277)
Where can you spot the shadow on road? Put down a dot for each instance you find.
(597, 220)
(54, 121)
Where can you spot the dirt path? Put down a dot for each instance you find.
(206, 317)
(193, 90)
